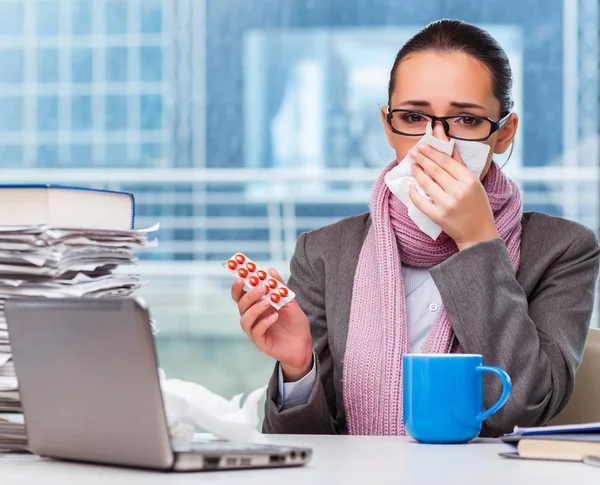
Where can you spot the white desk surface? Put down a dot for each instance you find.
(343, 460)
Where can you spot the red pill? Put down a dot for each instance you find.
(272, 283)
(267, 289)
(283, 291)
(240, 258)
(261, 274)
(243, 272)
(251, 267)
(253, 280)
(275, 297)
(231, 264)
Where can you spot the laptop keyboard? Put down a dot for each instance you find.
(226, 446)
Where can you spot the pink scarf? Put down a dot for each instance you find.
(378, 333)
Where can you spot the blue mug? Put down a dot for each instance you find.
(443, 396)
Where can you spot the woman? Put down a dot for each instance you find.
(516, 288)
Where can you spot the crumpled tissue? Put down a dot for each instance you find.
(400, 178)
(190, 407)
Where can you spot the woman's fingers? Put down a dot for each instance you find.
(250, 317)
(273, 272)
(451, 164)
(258, 331)
(237, 290)
(250, 298)
(425, 205)
(429, 185)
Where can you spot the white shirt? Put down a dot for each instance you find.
(423, 304)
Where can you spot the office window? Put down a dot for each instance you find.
(116, 64)
(184, 234)
(116, 16)
(82, 17)
(47, 65)
(81, 113)
(11, 156)
(151, 153)
(151, 63)
(116, 113)
(47, 17)
(12, 66)
(47, 155)
(151, 16)
(11, 114)
(151, 112)
(11, 17)
(81, 155)
(47, 113)
(116, 154)
(81, 65)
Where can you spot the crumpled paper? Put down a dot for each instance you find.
(400, 178)
(190, 407)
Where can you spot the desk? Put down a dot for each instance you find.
(344, 460)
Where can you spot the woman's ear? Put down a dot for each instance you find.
(388, 131)
(506, 134)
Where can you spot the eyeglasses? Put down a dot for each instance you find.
(461, 127)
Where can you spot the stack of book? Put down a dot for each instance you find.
(576, 442)
(68, 243)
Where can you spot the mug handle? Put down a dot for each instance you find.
(506, 388)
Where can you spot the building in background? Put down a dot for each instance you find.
(84, 84)
(241, 123)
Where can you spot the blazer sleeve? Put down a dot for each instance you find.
(538, 341)
(314, 417)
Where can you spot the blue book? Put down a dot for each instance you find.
(56, 205)
(551, 430)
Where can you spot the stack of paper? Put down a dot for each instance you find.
(9, 394)
(12, 432)
(51, 262)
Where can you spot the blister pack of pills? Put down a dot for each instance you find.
(253, 276)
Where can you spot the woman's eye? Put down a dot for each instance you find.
(469, 121)
(413, 117)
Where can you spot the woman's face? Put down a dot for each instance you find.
(446, 84)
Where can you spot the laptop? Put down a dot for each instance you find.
(90, 390)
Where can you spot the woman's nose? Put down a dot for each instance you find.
(438, 131)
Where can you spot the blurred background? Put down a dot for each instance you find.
(239, 124)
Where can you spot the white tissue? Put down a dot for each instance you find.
(190, 407)
(400, 178)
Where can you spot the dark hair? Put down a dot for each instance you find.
(454, 35)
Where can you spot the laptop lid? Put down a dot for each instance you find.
(67, 353)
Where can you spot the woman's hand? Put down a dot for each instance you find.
(283, 335)
(459, 204)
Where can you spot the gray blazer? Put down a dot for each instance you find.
(533, 325)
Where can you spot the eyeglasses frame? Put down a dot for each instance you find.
(494, 125)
